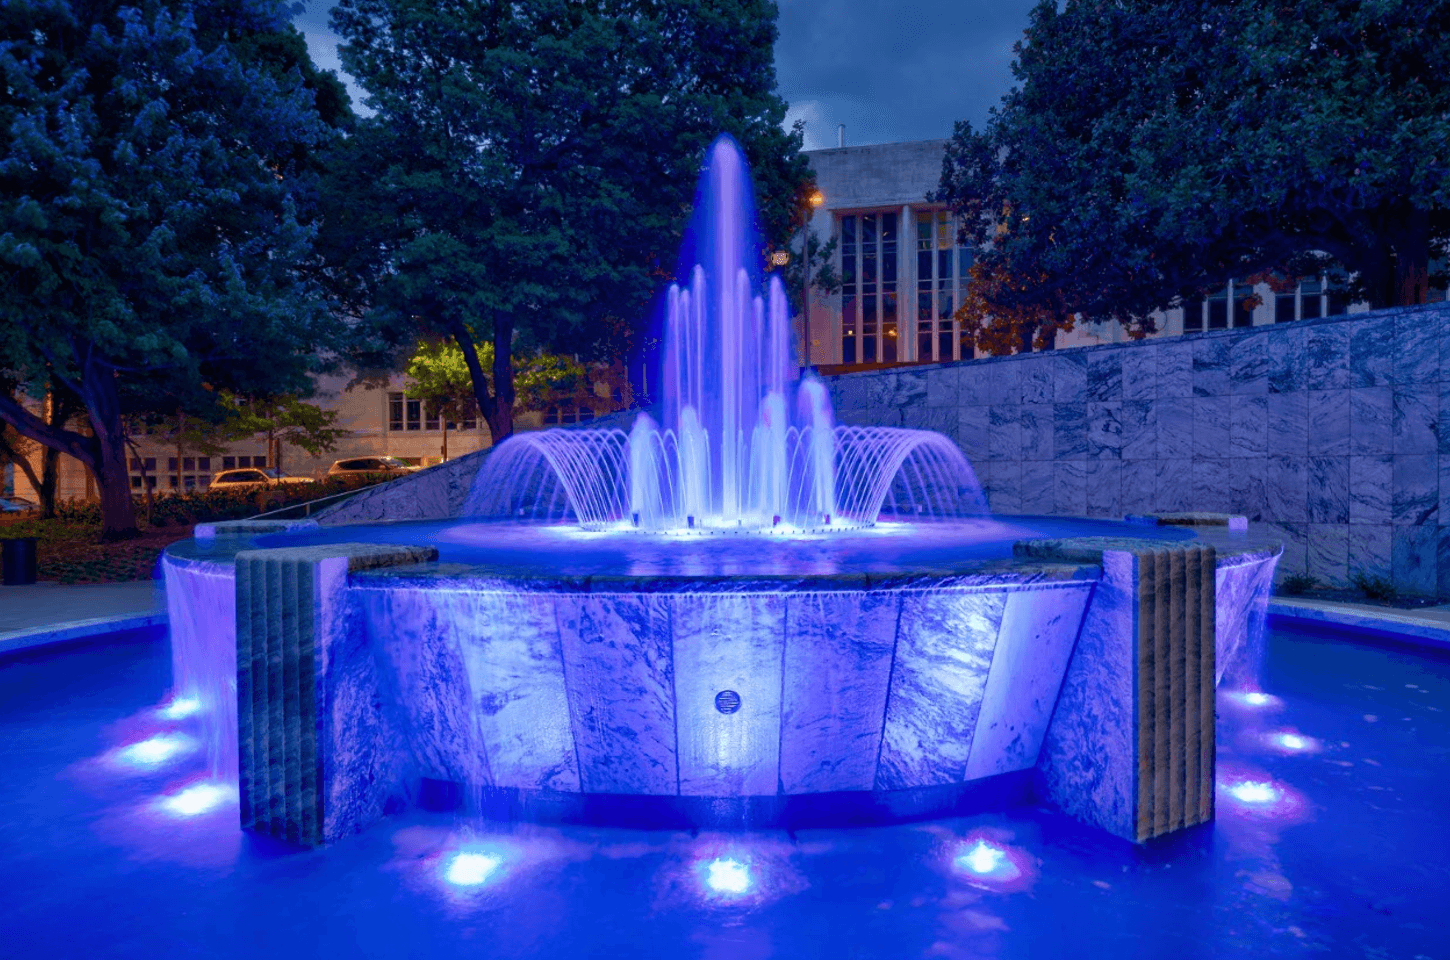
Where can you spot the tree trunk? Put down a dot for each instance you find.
(501, 418)
(180, 426)
(1412, 260)
(103, 403)
(49, 477)
(445, 435)
(496, 407)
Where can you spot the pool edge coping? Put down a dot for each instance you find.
(1420, 631)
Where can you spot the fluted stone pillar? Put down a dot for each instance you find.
(1130, 747)
(313, 757)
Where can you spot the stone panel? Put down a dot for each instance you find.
(1326, 357)
(1249, 429)
(1371, 353)
(1249, 363)
(1140, 372)
(943, 654)
(1371, 420)
(1039, 628)
(1413, 557)
(619, 673)
(1104, 431)
(1139, 419)
(1175, 368)
(1211, 367)
(1104, 377)
(1370, 483)
(1037, 380)
(1286, 359)
(1417, 420)
(1037, 426)
(1329, 423)
(837, 669)
(1211, 423)
(729, 642)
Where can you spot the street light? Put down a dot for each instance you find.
(816, 199)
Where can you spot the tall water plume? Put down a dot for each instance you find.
(743, 443)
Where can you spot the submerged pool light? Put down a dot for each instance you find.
(1287, 741)
(981, 858)
(197, 799)
(155, 751)
(470, 868)
(181, 708)
(1256, 792)
(727, 875)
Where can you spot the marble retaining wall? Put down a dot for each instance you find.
(1329, 431)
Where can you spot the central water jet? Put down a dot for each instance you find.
(744, 445)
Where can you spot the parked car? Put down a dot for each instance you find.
(17, 505)
(370, 468)
(254, 479)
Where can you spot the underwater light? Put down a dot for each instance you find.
(155, 751)
(727, 876)
(471, 869)
(181, 707)
(982, 858)
(1254, 791)
(197, 799)
(1253, 698)
(1293, 742)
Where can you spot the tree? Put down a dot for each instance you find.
(155, 190)
(528, 171)
(1152, 150)
(285, 419)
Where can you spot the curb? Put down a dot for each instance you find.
(1424, 632)
(29, 639)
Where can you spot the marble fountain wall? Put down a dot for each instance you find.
(1333, 432)
(360, 669)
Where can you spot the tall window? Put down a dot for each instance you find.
(941, 273)
(868, 288)
(407, 414)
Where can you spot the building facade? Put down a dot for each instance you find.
(903, 273)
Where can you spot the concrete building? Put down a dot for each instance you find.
(903, 272)
(380, 420)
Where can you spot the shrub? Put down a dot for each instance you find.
(1376, 588)
(1297, 583)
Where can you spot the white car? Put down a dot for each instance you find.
(254, 479)
(17, 505)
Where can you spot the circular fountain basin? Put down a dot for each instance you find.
(897, 661)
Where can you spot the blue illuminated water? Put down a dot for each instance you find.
(1338, 857)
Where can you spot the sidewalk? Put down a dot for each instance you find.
(43, 613)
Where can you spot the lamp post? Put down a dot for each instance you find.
(817, 198)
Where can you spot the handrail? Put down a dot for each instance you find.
(309, 505)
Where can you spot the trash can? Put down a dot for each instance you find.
(17, 556)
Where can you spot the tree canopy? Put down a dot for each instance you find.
(527, 173)
(1152, 150)
(156, 163)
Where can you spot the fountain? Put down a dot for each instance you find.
(734, 611)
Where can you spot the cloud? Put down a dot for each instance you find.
(820, 129)
(903, 70)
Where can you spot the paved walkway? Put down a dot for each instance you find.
(44, 613)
